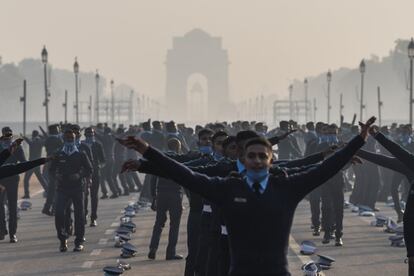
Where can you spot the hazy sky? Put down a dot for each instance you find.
(269, 41)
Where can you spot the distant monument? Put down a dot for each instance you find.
(199, 53)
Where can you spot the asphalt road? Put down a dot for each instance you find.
(366, 250)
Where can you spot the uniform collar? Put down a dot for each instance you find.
(263, 184)
(240, 167)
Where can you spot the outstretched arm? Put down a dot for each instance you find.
(303, 183)
(399, 152)
(276, 139)
(391, 163)
(208, 187)
(10, 170)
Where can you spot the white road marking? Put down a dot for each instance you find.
(103, 241)
(109, 231)
(115, 224)
(96, 252)
(87, 264)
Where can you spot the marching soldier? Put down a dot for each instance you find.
(70, 168)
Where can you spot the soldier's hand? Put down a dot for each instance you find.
(2, 188)
(134, 143)
(365, 127)
(131, 165)
(51, 157)
(373, 131)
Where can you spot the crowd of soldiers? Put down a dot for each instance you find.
(225, 170)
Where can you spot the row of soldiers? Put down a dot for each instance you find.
(202, 151)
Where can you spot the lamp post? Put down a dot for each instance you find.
(290, 102)
(65, 106)
(24, 101)
(329, 79)
(305, 82)
(44, 55)
(361, 104)
(411, 56)
(97, 77)
(76, 71)
(112, 103)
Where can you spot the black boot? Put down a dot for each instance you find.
(63, 246)
(151, 254)
(326, 238)
(410, 266)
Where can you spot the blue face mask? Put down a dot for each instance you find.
(205, 149)
(257, 176)
(89, 140)
(69, 144)
(217, 156)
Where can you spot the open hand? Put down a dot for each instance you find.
(365, 127)
(131, 165)
(134, 143)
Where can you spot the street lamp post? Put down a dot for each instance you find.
(97, 77)
(411, 56)
(361, 104)
(65, 106)
(46, 102)
(305, 82)
(329, 79)
(24, 101)
(112, 103)
(290, 102)
(76, 71)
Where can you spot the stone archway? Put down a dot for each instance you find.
(197, 52)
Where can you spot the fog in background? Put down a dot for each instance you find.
(270, 45)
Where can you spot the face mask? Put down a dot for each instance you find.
(218, 156)
(205, 149)
(89, 140)
(257, 176)
(69, 148)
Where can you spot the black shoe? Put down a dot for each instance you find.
(13, 239)
(174, 257)
(151, 255)
(339, 242)
(316, 232)
(2, 237)
(113, 196)
(326, 239)
(78, 247)
(63, 246)
(26, 197)
(105, 196)
(126, 193)
(93, 223)
(47, 212)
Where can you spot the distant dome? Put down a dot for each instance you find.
(197, 33)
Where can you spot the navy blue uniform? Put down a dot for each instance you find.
(258, 243)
